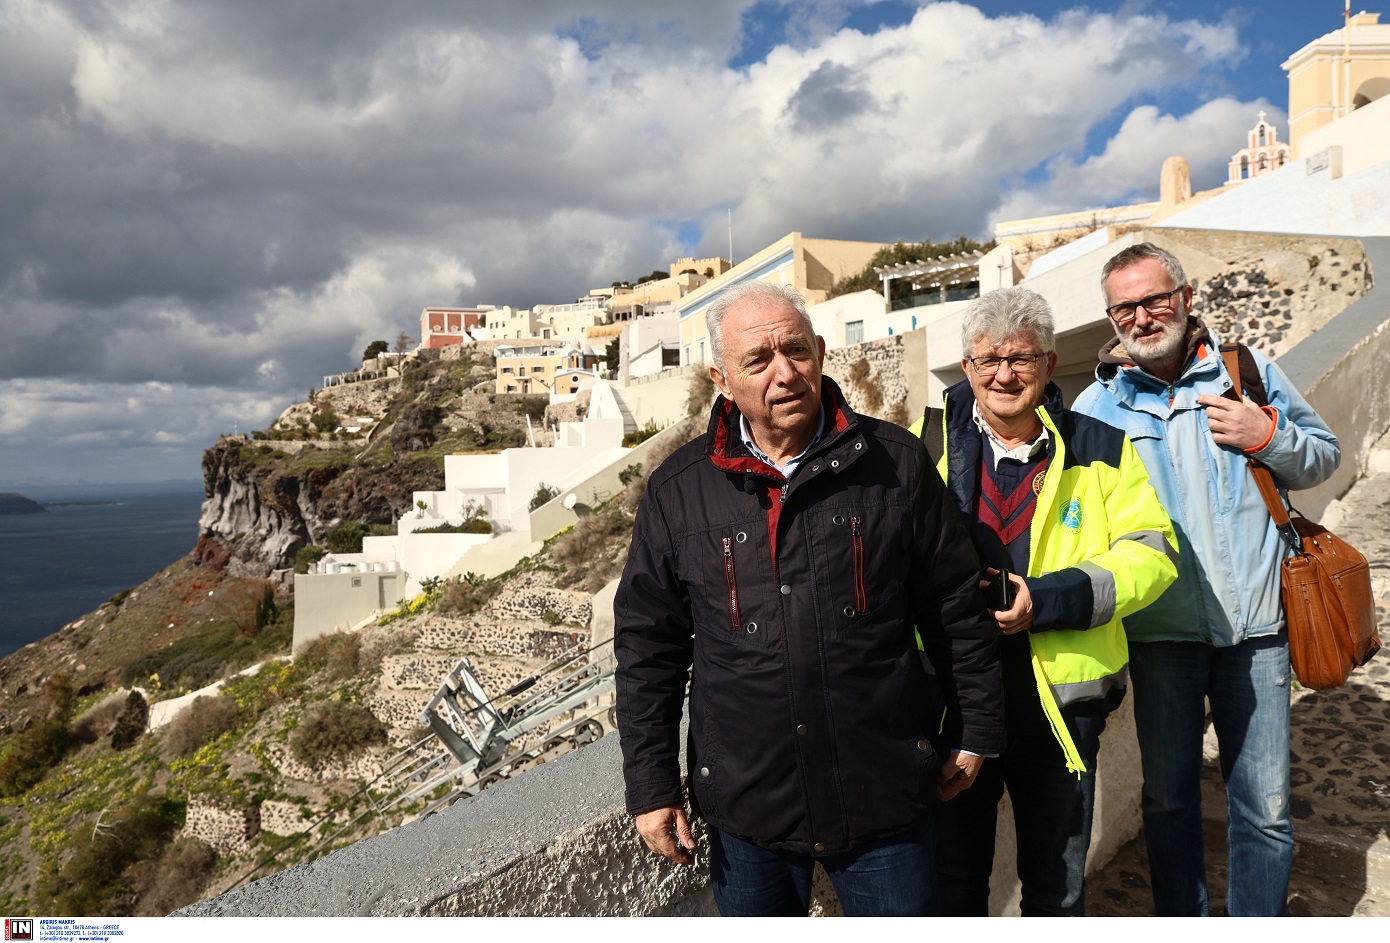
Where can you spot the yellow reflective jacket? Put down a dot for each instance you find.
(1101, 547)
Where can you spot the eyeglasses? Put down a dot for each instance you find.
(1160, 303)
(1018, 363)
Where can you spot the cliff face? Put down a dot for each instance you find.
(266, 499)
(261, 507)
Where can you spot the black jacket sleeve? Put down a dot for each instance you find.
(653, 643)
(957, 633)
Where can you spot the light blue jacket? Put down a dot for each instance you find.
(1228, 549)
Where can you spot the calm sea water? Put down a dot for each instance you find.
(59, 565)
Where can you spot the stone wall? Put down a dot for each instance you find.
(1273, 292)
(873, 377)
(226, 830)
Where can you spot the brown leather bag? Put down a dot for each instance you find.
(1329, 605)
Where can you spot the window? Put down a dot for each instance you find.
(1244, 167)
(506, 369)
(854, 332)
(538, 369)
(1262, 136)
(511, 388)
(702, 350)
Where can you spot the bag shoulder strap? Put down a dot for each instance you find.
(933, 436)
(1236, 358)
(1244, 373)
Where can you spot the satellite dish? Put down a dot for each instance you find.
(570, 501)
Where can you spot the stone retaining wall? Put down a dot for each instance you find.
(873, 376)
(226, 830)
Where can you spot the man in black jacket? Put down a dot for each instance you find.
(781, 562)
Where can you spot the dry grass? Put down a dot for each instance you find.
(335, 730)
(203, 720)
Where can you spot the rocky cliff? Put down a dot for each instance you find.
(353, 452)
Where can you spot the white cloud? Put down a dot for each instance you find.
(208, 210)
(1127, 170)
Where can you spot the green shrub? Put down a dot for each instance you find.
(200, 722)
(335, 730)
(307, 556)
(93, 880)
(337, 655)
(40, 747)
(632, 439)
(132, 722)
(461, 596)
(176, 879)
(533, 406)
(544, 494)
(325, 419)
(347, 537)
(630, 474)
(119, 598)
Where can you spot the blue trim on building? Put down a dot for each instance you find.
(771, 265)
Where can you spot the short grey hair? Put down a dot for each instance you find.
(759, 292)
(1135, 254)
(1004, 312)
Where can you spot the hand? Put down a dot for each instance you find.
(656, 829)
(1241, 425)
(1019, 616)
(957, 774)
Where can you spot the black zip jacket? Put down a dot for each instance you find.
(813, 723)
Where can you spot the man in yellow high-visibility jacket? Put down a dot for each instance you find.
(1061, 505)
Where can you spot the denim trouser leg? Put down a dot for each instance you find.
(1250, 712)
(892, 877)
(1248, 685)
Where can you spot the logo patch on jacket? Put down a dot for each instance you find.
(1071, 516)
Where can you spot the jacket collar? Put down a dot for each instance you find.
(729, 453)
(1113, 356)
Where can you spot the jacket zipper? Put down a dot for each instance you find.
(861, 595)
(733, 583)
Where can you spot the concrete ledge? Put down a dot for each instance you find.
(553, 842)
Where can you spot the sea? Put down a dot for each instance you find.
(91, 542)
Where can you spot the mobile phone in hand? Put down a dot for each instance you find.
(999, 595)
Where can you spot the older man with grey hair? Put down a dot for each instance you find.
(1073, 540)
(780, 563)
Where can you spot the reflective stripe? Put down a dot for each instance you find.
(1102, 592)
(1152, 539)
(1067, 694)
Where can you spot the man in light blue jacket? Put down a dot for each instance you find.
(1217, 633)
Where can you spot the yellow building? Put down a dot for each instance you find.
(1336, 74)
(533, 369)
(812, 265)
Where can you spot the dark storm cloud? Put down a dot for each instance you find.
(832, 95)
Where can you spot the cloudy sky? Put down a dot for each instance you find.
(208, 205)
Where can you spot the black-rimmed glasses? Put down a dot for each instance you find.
(1018, 363)
(1160, 303)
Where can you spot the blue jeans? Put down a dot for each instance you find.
(892, 877)
(1248, 687)
(1052, 807)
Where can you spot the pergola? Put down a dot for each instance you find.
(942, 272)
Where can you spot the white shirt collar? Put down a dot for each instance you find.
(1019, 453)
